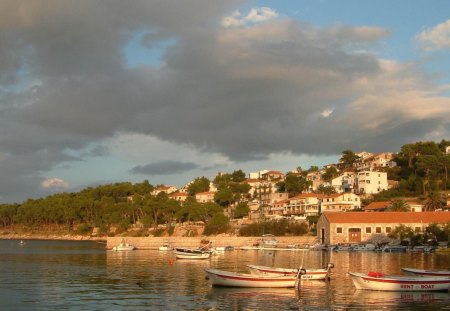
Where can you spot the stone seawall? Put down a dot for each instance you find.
(156, 242)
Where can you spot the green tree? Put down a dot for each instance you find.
(434, 202)
(238, 176)
(330, 173)
(200, 184)
(328, 190)
(241, 210)
(348, 158)
(398, 205)
(223, 197)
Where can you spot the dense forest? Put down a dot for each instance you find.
(421, 170)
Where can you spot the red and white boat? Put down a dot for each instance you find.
(234, 279)
(427, 272)
(310, 274)
(399, 283)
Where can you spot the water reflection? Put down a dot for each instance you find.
(52, 275)
(400, 300)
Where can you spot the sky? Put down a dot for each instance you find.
(106, 91)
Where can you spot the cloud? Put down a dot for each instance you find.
(54, 184)
(256, 15)
(164, 168)
(232, 94)
(435, 38)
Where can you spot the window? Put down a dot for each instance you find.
(368, 230)
(339, 230)
(378, 229)
(388, 229)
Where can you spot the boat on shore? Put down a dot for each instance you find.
(192, 253)
(309, 274)
(426, 272)
(380, 282)
(235, 279)
(124, 246)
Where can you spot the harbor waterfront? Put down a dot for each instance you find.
(84, 275)
(150, 243)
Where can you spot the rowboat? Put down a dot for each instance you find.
(379, 281)
(235, 279)
(189, 253)
(427, 272)
(310, 274)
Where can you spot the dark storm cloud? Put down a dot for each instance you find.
(164, 168)
(242, 92)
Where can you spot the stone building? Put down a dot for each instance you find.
(355, 227)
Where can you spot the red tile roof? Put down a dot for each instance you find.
(378, 205)
(387, 217)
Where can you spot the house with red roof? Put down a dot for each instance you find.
(339, 202)
(355, 227)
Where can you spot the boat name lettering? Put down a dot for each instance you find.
(427, 286)
(407, 286)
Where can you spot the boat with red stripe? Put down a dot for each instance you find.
(382, 282)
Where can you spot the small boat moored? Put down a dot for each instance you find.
(394, 248)
(123, 246)
(427, 272)
(309, 274)
(235, 279)
(192, 253)
(165, 247)
(401, 283)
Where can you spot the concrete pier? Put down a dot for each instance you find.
(156, 242)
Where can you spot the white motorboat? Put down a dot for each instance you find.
(190, 253)
(428, 272)
(381, 282)
(165, 247)
(310, 274)
(124, 247)
(234, 279)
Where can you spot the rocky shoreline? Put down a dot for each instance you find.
(66, 237)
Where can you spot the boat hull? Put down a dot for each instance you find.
(233, 279)
(311, 274)
(427, 272)
(185, 253)
(399, 283)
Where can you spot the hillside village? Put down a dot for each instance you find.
(351, 186)
(391, 186)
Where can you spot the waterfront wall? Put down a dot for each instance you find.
(156, 242)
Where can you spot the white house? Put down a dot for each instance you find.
(205, 197)
(371, 182)
(340, 202)
(305, 204)
(344, 182)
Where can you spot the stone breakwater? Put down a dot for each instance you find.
(193, 242)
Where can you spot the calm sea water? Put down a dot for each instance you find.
(61, 275)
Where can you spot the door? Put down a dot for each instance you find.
(354, 235)
(323, 236)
